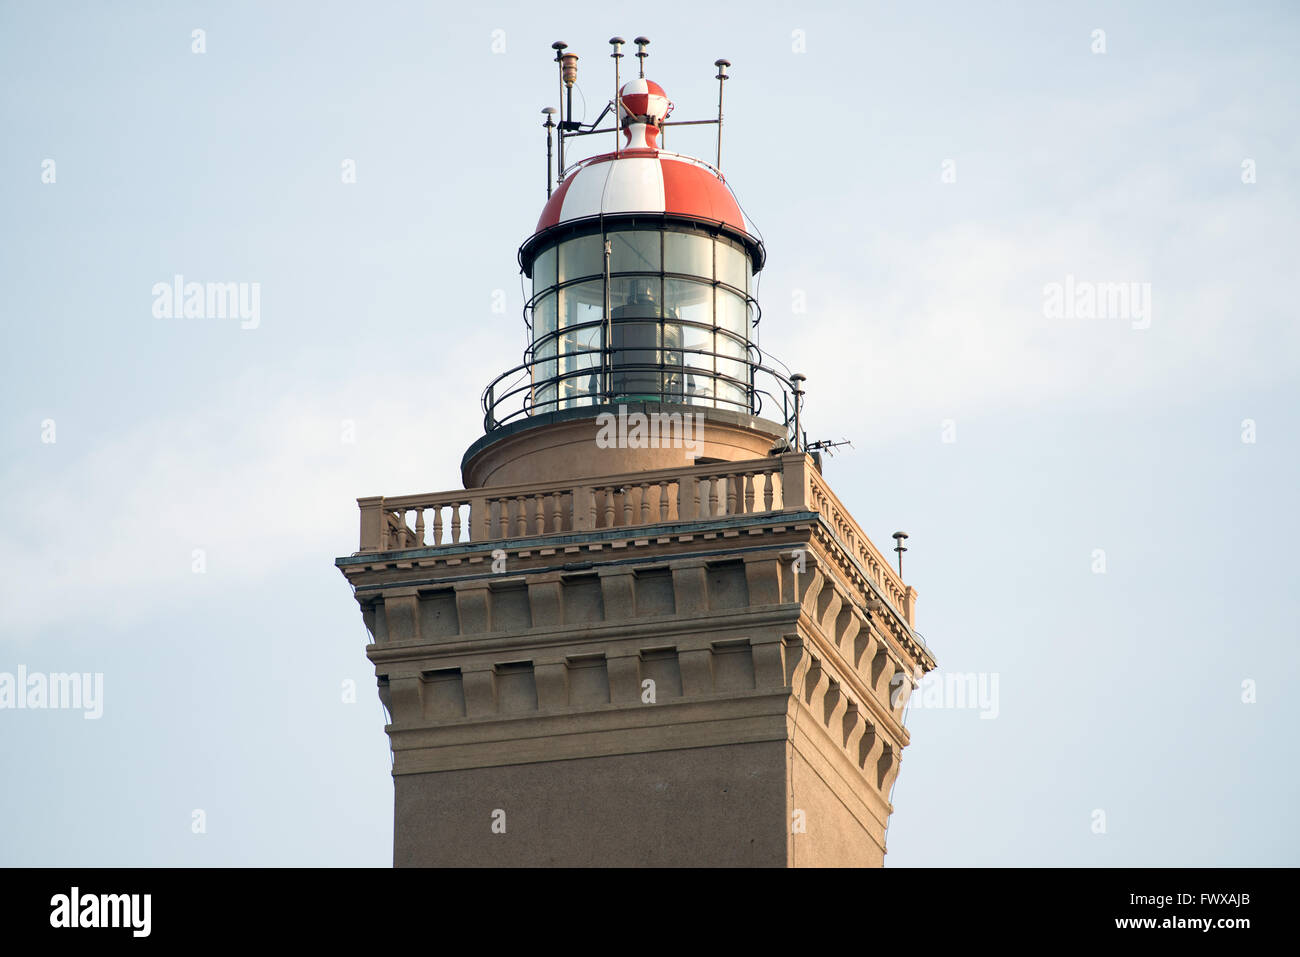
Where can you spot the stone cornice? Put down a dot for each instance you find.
(424, 653)
(574, 543)
(646, 546)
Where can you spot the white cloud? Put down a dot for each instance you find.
(952, 324)
(259, 485)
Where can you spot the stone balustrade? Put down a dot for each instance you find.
(822, 499)
(695, 493)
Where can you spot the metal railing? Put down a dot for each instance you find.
(514, 393)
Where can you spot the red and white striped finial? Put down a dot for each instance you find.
(642, 108)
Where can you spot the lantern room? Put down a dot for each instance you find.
(662, 295)
(640, 276)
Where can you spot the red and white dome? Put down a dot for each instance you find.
(643, 181)
(642, 178)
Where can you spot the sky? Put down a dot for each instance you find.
(1101, 508)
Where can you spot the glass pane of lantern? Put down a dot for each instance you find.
(544, 316)
(543, 371)
(688, 253)
(544, 399)
(639, 340)
(732, 313)
(688, 301)
(544, 271)
(733, 368)
(732, 397)
(635, 297)
(582, 305)
(731, 362)
(697, 347)
(733, 266)
(634, 251)
(581, 257)
(580, 369)
(579, 345)
(583, 344)
(692, 303)
(698, 387)
(673, 382)
(730, 347)
(636, 359)
(582, 311)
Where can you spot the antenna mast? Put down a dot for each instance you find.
(559, 46)
(617, 44)
(549, 125)
(567, 126)
(721, 78)
(641, 44)
(899, 538)
(796, 387)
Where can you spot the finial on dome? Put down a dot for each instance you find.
(642, 108)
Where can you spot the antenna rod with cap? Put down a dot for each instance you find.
(641, 44)
(559, 47)
(617, 44)
(796, 380)
(721, 78)
(900, 537)
(549, 112)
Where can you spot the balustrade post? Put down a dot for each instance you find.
(688, 498)
(794, 481)
(584, 508)
(478, 519)
(372, 522)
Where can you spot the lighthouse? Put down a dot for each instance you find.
(646, 632)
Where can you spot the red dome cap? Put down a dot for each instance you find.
(644, 181)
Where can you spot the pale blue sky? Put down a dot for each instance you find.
(1119, 691)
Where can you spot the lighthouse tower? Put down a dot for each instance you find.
(646, 632)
